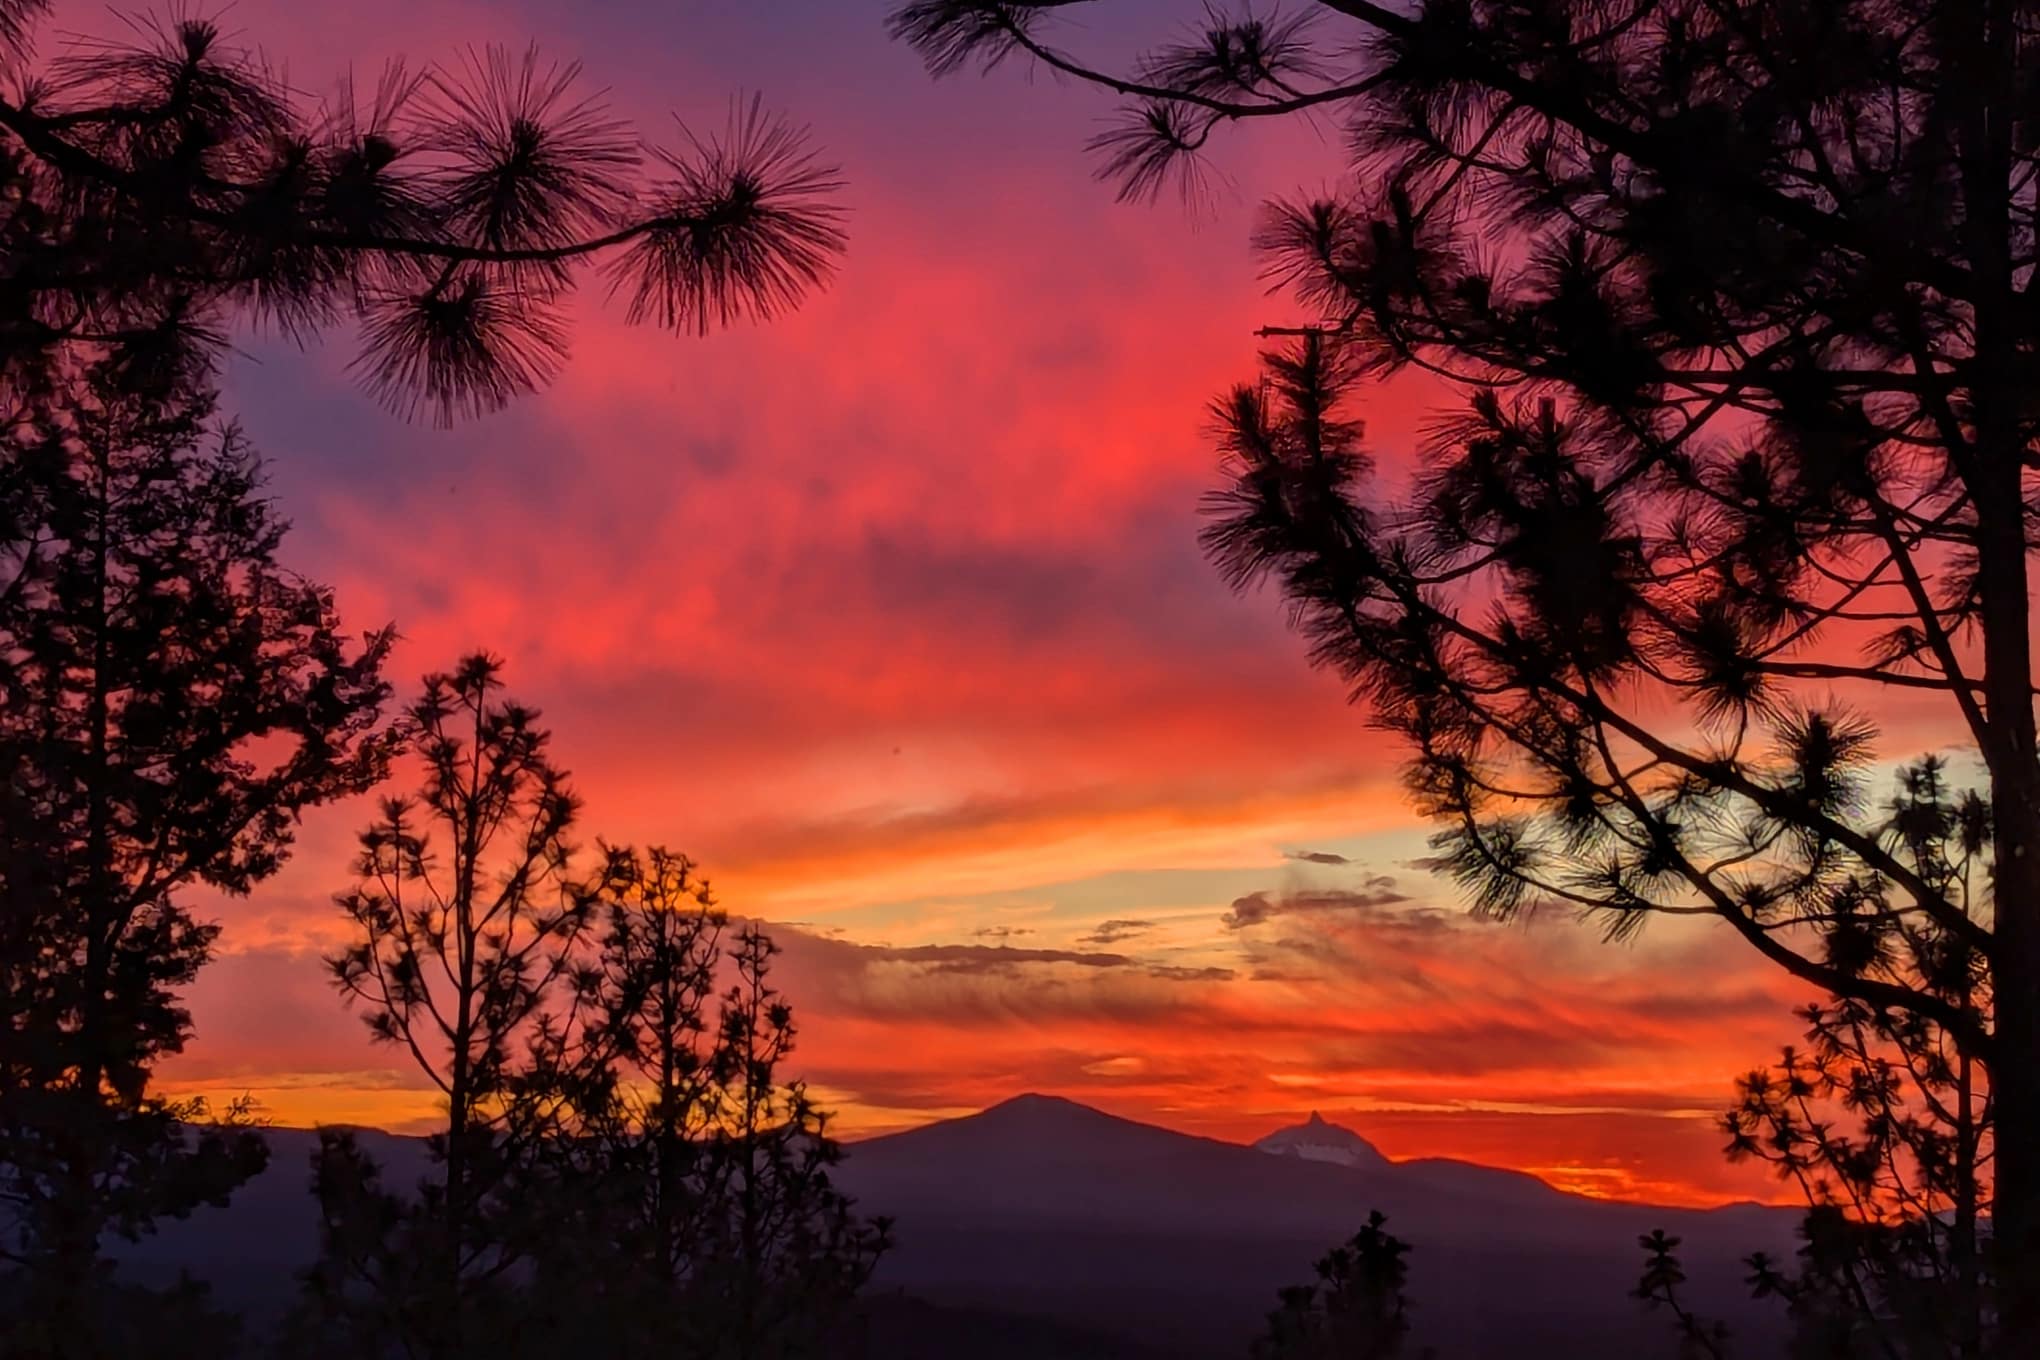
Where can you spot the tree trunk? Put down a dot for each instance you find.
(1962, 1246)
(2015, 1078)
(2014, 1058)
(67, 1285)
(76, 1218)
(452, 1305)
(666, 1175)
(1999, 378)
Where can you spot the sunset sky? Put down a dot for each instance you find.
(892, 615)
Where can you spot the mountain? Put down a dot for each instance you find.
(1044, 1207)
(1316, 1141)
(1042, 1227)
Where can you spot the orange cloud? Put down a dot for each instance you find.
(893, 614)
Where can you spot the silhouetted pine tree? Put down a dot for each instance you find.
(1355, 1310)
(467, 912)
(1886, 1126)
(171, 698)
(697, 1177)
(1739, 295)
(153, 193)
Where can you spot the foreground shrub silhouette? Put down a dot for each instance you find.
(1738, 297)
(171, 698)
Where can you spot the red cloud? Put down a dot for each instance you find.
(900, 597)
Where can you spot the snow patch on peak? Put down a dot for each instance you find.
(1318, 1140)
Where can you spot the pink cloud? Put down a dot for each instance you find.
(899, 598)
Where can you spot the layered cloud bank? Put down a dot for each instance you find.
(892, 615)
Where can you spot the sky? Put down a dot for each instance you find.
(892, 615)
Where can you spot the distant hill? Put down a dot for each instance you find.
(1042, 1227)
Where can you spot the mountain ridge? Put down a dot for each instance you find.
(1043, 1205)
(1043, 1102)
(1049, 1213)
(1042, 1108)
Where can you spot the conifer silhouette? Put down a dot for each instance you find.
(1356, 1309)
(171, 698)
(695, 1173)
(467, 910)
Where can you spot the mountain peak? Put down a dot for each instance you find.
(1039, 1113)
(1035, 1126)
(1035, 1102)
(1317, 1139)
